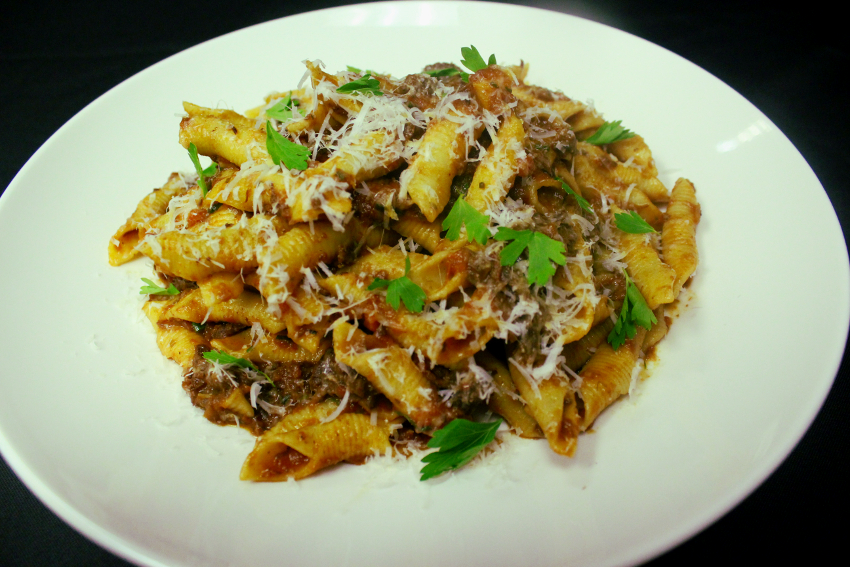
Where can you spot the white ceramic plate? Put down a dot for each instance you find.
(95, 422)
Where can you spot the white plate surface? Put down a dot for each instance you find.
(95, 422)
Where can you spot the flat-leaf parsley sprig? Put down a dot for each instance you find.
(582, 202)
(402, 289)
(202, 173)
(474, 62)
(222, 357)
(363, 85)
(632, 223)
(463, 214)
(284, 109)
(459, 442)
(634, 312)
(282, 151)
(542, 251)
(153, 289)
(609, 133)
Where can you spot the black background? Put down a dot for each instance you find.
(56, 57)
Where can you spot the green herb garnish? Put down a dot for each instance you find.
(282, 151)
(153, 289)
(448, 72)
(632, 223)
(459, 442)
(283, 109)
(202, 173)
(199, 327)
(582, 202)
(609, 133)
(634, 312)
(463, 213)
(542, 251)
(223, 358)
(402, 289)
(363, 85)
(474, 62)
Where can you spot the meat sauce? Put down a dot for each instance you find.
(295, 384)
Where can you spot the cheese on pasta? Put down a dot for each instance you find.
(294, 315)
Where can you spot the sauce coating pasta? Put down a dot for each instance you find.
(371, 258)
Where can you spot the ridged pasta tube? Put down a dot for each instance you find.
(545, 401)
(244, 310)
(425, 233)
(505, 400)
(497, 170)
(678, 238)
(392, 372)
(122, 245)
(607, 376)
(267, 348)
(282, 454)
(224, 133)
(428, 180)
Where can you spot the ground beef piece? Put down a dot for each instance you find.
(311, 383)
(440, 67)
(289, 378)
(210, 392)
(222, 330)
(327, 377)
(461, 389)
(419, 91)
(373, 201)
(544, 94)
(206, 391)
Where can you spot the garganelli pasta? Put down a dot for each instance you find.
(371, 259)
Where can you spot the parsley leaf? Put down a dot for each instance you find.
(364, 85)
(632, 223)
(202, 173)
(402, 289)
(542, 250)
(448, 72)
(582, 202)
(458, 442)
(222, 357)
(290, 154)
(283, 109)
(199, 327)
(463, 213)
(474, 62)
(153, 289)
(609, 133)
(634, 312)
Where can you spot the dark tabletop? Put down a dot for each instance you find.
(56, 57)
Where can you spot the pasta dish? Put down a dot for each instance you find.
(371, 264)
